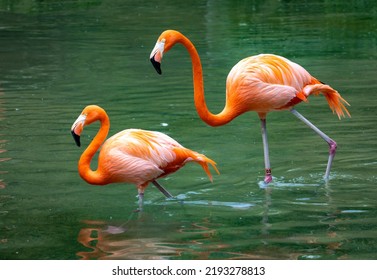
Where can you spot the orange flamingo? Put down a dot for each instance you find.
(132, 155)
(261, 83)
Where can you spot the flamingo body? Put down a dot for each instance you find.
(265, 83)
(131, 156)
(139, 156)
(260, 83)
(268, 82)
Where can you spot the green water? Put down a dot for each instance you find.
(56, 57)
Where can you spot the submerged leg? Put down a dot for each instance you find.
(162, 189)
(267, 165)
(332, 143)
(141, 200)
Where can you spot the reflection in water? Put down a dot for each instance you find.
(140, 237)
(107, 245)
(2, 141)
(109, 241)
(326, 237)
(335, 241)
(106, 241)
(267, 204)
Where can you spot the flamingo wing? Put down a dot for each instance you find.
(140, 156)
(266, 82)
(137, 156)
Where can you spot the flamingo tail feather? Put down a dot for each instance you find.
(334, 99)
(204, 161)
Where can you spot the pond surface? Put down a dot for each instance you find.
(56, 57)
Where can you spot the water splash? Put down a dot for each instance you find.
(293, 183)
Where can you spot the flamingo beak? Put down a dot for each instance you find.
(157, 54)
(156, 65)
(77, 138)
(77, 128)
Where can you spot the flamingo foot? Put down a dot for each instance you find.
(268, 176)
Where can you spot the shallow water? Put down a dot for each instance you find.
(58, 57)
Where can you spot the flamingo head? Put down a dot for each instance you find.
(90, 114)
(165, 42)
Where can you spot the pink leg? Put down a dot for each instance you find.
(267, 165)
(332, 143)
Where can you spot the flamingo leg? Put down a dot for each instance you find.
(267, 165)
(162, 189)
(331, 142)
(141, 201)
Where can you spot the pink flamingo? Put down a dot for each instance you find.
(131, 156)
(261, 83)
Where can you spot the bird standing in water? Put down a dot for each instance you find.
(131, 156)
(260, 83)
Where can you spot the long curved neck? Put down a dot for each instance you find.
(226, 115)
(94, 177)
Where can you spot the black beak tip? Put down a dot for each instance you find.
(156, 65)
(77, 138)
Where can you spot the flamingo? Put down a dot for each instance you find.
(132, 156)
(260, 83)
